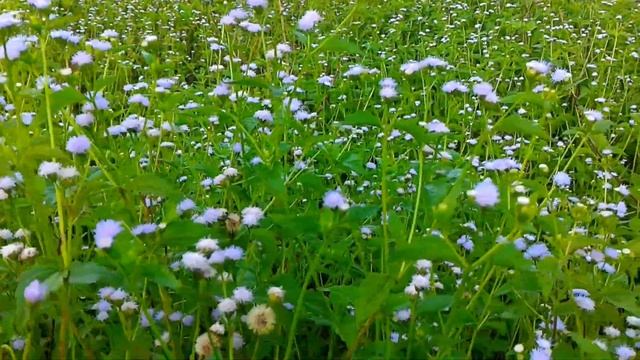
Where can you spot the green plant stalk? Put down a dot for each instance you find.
(416, 207)
(296, 315)
(412, 328)
(255, 349)
(8, 349)
(194, 336)
(64, 248)
(385, 194)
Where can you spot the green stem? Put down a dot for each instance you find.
(296, 315)
(64, 248)
(385, 194)
(255, 349)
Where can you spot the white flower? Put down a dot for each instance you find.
(452, 86)
(48, 168)
(11, 249)
(633, 321)
(437, 126)
(207, 245)
(258, 3)
(482, 89)
(8, 19)
(486, 194)
(39, 4)
(325, 80)
(6, 234)
(227, 305)
(222, 89)
(233, 253)
(227, 20)
(242, 295)
(309, 20)
(7, 183)
(388, 92)
(195, 262)
(28, 253)
(139, 99)
(78, 144)
(275, 293)
(560, 75)
(540, 354)
(611, 331)
(593, 115)
(35, 292)
(335, 200)
(250, 27)
(15, 46)
(625, 352)
(356, 70)
(261, 319)
(85, 119)
(81, 58)
(185, 205)
(105, 232)
(251, 216)
(99, 44)
(68, 172)
(429, 62)
(539, 67)
(562, 179)
(585, 303)
(217, 328)
(264, 115)
(402, 315)
(238, 341)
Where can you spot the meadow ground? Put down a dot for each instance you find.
(253, 179)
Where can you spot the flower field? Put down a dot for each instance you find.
(347, 179)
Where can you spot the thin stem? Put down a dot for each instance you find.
(292, 330)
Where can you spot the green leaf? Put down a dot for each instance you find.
(411, 127)
(361, 118)
(372, 293)
(358, 214)
(88, 273)
(353, 161)
(428, 247)
(251, 82)
(153, 184)
(249, 123)
(338, 45)
(301, 37)
(623, 299)
(297, 224)
(183, 234)
(518, 124)
(148, 57)
(104, 82)
(447, 207)
(523, 98)
(65, 97)
(508, 256)
(602, 126)
(588, 347)
(53, 282)
(159, 274)
(434, 303)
